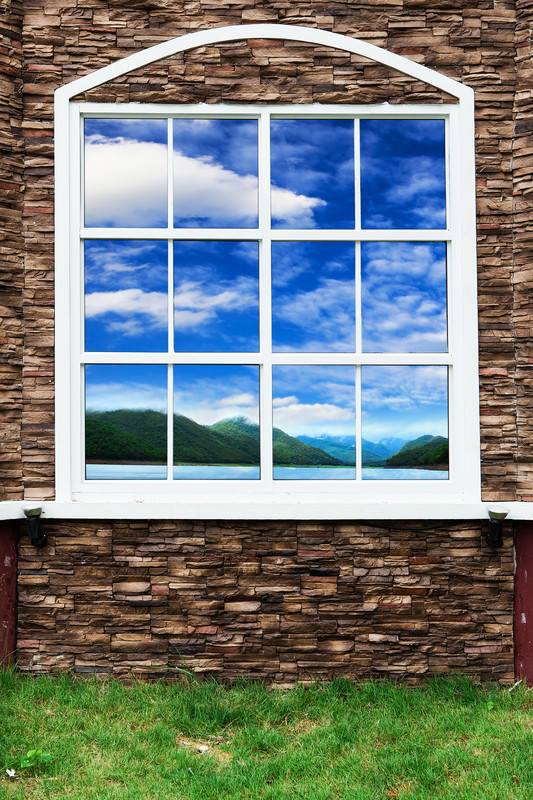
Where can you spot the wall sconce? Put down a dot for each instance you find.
(38, 537)
(494, 536)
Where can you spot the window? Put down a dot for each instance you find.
(270, 298)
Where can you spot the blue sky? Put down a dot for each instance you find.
(215, 173)
(314, 400)
(404, 297)
(313, 296)
(312, 160)
(126, 173)
(403, 173)
(126, 295)
(216, 296)
(125, 386)
(210, 393)
(404, 401)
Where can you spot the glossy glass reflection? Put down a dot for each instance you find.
(312, 173)
(216, 296)
(125, 422)
(405, 423)
(314, 422)
(404, 297)
(126, 295)
(403, 174)
(125, 175)
(215, 173)
(216, 422)
(313, 296)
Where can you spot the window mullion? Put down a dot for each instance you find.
(265, 300)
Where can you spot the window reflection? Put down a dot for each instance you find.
(405, 422)
(125, 422)
(125, 176)
(215, 173)
(126, 295)
(314, 422)
(216, 422)
(312, 173)
(403, 181)
(404, 297)
(216, 296)
(313, 296)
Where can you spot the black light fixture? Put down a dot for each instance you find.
(37, 536)
(494, 536)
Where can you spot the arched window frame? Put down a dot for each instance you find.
(268, 499)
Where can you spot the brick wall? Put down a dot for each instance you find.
(277, 601)
(272, 600)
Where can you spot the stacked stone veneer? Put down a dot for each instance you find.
(318, 600)
(277, 601)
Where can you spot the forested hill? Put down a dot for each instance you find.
(140, 436)
(426, 451)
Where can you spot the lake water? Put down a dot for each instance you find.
(155, 472)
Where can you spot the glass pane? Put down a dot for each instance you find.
(405, 423)
(215, 173)
(126, 295)
(313, 297)
(314, 422)
(312, 173)
(216, 422)
(403, 176)
(404, 297)
(216, 296)
(125, 422)
(126, 173)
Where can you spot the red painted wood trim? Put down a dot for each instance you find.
(523, 605)
(8, 591)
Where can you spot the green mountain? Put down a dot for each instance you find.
(140, 436)
(340, 447)
(291, 452)
(426, 451)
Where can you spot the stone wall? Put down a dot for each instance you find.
(11, 249)
(278, 601)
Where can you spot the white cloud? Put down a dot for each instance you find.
(298, 418)
(128, 302)
(280, 402)
(195, 305)
(125, 182)
(125, 185)
(245, 398)
(119, 395)
(324, 314)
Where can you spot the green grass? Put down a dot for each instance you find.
(449, 740)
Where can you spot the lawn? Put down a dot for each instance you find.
(203, 741)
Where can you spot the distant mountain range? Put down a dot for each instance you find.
(140, 436)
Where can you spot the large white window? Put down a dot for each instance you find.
(262, 309)
(269, 297)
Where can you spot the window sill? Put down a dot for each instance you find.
(246, 508)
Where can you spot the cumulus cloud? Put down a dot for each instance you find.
(325, 315)
(126, 185)
(404, 297)
(128, 302)
(108, 396)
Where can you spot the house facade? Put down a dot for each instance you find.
(151, 108)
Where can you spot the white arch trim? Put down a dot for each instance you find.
(231, 33)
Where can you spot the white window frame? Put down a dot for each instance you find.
(268, 497)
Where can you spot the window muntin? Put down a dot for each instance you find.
(266, 235)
